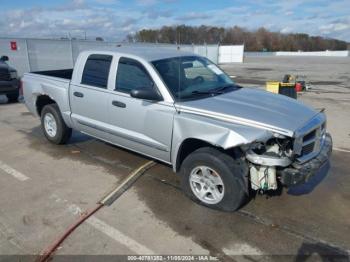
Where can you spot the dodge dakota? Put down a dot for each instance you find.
(179, 108)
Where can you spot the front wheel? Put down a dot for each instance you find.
(215, 179)
(53, 125)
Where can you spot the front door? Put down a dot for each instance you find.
(141, 125)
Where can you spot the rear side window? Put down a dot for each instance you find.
(96, 70)
(131, 74)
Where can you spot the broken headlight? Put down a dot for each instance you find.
(276, 151)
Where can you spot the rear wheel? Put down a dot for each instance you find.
(214, 179)
(53, 125)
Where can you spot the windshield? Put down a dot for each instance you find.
(193, 77)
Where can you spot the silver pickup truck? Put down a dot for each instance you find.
(183, 110)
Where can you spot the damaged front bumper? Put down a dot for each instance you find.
(300, 173)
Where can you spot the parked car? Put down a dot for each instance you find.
(183, 110)
(9, 83)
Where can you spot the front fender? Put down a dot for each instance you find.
(215, 132)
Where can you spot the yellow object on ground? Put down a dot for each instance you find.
(273, 86)
(117, 191)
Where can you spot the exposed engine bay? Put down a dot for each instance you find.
(265, 157)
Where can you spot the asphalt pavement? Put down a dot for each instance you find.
(45, 188)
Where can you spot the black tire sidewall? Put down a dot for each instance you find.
(231, 171)
(12, 97)
(54, 110)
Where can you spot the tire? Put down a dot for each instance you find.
(233, 173)
(55, 131)
(12, 98)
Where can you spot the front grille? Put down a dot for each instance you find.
(5, 75)
(309, 136)
(307, 149)
(309, 139)
(311, 142)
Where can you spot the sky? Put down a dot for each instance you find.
(114, 19)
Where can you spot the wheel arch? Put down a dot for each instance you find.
(189, 145)
(41, 101)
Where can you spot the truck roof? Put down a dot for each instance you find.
(147, 53)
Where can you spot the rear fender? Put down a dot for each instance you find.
(57, 90)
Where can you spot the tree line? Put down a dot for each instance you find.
(258, 40)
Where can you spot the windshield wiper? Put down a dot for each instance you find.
(198, 92)
(225, 87)
(217, 91)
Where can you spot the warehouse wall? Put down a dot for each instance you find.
(315, 53)
(47, 54)
(19, 58)
(231, 54)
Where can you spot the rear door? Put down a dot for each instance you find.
(141, 125)
(89, 97)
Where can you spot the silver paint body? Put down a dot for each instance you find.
(158, 129)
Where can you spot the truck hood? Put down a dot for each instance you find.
(253, 107)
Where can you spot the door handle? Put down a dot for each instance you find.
(118, 104)
(78, 94)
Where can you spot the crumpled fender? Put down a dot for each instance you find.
(218, 133)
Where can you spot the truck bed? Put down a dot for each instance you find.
(62, 73)
(52, 83)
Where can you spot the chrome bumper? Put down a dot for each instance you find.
(300, 173)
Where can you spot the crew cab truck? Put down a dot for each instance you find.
(9, 83)
(179, 108)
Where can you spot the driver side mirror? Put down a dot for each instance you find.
(4, 58)
(146, 94)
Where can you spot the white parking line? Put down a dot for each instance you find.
(119, 236)
(13, 172)
(242, 250)
(9, 235)
(113, 233)
(341, 150)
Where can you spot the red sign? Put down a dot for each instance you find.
(13, 46)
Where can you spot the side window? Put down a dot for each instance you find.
(96, 70)
(131, 74)
(196, 68)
